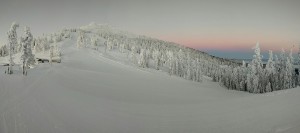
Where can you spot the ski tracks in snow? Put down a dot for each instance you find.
(21, 99)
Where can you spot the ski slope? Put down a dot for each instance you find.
(94, 92)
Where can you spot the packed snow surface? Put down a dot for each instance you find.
(96, 92)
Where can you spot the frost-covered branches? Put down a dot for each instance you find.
(12, 44)
(276, 75)
(27, 56)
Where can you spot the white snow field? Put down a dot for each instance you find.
(93, 92)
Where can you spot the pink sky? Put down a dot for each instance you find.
(227, 43)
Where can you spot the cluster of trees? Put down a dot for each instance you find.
(14, 47)
(3, 51)
(27, 57)
(277, 74)
(44, 43)
(147, 52)
(192, 64)
(86, 41)
(28, 45)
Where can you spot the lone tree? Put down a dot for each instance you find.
(27, 56)
(12, 43)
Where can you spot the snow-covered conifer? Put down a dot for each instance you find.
(156, 56)
(270, 72)
(199, 75)
(288, 75)
(12, 44)
(30, 59)
(268, 87)
(180, 62)
(270, 67)
(94, 41)
(51, 40)
(143, 59)
(110, 44)
(290, 71)
(51, 54)
(255, 73)
(132, 55)
(27, 56)
(122, 48)
(81, 40)
(282, 60)
(170, 58)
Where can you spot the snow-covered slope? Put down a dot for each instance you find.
(94, 92)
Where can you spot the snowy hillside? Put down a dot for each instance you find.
(94, 90)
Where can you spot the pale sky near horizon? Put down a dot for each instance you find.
(227, 28)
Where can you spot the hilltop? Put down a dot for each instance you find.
(99, 87)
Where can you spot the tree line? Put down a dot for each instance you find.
(191, 64)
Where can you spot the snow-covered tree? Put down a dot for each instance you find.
(27, 56)
(291, 58)
(57, 38)
(132, 55)
(12, 44)
(157, 59)
(282, 59)
(24, 56)
(249, 83)
(43, 44)
(270, 66)
(271, 73)
(143, 59)
(199, 75)
(255, 74)
(122, 48)
(3, 50)
(268, 87)
(170, 60)
(81, 41)
(243, 76)
(282, 69)
(51, 54)
(51, 40)
(110, 44)
(188, 68)
(94, 41)
(289, 72)
(288, 75)
(236, 78)
(30, 59)
(57, 51)
(180, 62)
(256, 70)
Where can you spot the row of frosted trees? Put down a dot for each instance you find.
(192, 64)
(277, 74)
(147, 52)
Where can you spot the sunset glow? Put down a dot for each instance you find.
(226, 26)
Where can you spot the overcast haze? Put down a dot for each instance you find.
(227, 26)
